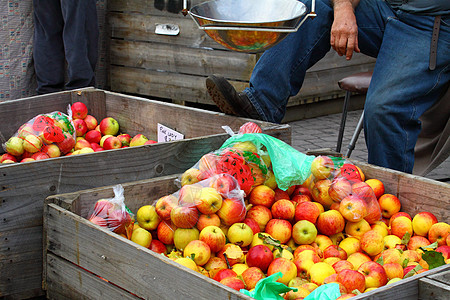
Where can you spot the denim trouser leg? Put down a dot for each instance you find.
(48, 48)
(80, 41)
(403, 88)
(65, 31)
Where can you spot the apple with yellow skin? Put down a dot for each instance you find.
(109, 126)
(301, 293)
(138, 140)
(357, 259)
(374, 273)
(337, 238)
(52, 150)
(319, 192)
(321, 242)
(350, 245)
(357, 229)
(208, 220)
(377, 186)
(262, 195)
(82, 143)
(198, 250)
(438, 233)
(331, 260)
(304, 261)
(164, 206)
(302, 248)
(279, 229)
(183, 236)
(297, 281)
(372, 242)
(165, 232)
(239, 268)
(393, 270)
(141, 237)
(285, 266)
(209, 201)
(389, 205)
(214, 237)
(190, 176)
(321, 167)
(417, 241)
(330, 222)
(319, 271)
(233, 253)
(187, 262)
(285, 252)
(383, 230)
(260, 214)
(353, 208)
(410, 255)
(232, 211)
(422, 223)
(304, 232)
(240, 234)
(400, 226)
(270, 180)
(147, 217)
(91, 122)
(283, 209)
(14, 146)
(391, 256)
(391, 241)
(32, 143)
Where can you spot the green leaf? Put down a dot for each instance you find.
(433, 258)
(405, 263)
(413, 271)
(356, 292)
(380, 260)
(399, 250)
(430, 246)
(406, 238)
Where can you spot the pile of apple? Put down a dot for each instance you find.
(315, 233)
(54, 135)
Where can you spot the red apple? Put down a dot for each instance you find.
(353, 208)
(252, 224)
(93, 136)
(39, 156)
(80, 127)
(445, 250)
(150, 142)
(67, 144)
(233, 282)
(330, 222)
(339, 189)
(119, 220)
(250, 127)
(283, 209)
(208, 220)
(259, 256)
(306, 211)
(7, 156)
(260, 214)
(352, 280)
(91, 122)
(334, 251)
(99, 221)
(279, 229)
(232, 211)
(112, 143)
(389, 205)
(262, 195)
(438, 233)
(79, 110)
(184, 216)
(82, 143)
(251, 276)
(224, 184)
(165, 232)
(125, 139)
(374, 273)
(164, 206)
(158, 247)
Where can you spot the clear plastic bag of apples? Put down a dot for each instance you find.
(113, 214)
(44, 136)
(337, 184)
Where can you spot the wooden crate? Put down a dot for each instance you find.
(24, 186)
(76, 251)
(175, 67)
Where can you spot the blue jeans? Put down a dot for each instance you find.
(65, 31)
(402, 86)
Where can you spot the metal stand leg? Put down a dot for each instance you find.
(355, 136)
(343, 120)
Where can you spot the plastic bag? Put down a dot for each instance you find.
(289, 166)
(329, 291)
(269, 289)
(113, 214)
(338, 183)
(44, 136)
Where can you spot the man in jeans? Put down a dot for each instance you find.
(411, 41)
(65, 31)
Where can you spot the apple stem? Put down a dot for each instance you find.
(226, 260)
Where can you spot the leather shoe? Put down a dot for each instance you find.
(228, 100)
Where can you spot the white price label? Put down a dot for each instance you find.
(166, 134)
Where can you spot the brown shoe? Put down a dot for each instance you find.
(228, 100)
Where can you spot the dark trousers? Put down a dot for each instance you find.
(65, 31)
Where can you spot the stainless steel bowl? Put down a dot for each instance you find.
(248, 25)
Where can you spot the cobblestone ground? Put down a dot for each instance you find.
(322, 132)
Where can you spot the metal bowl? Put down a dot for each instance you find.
(248, 25)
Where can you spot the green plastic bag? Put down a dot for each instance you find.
(268, 288)
(290, 166)
(329, 291)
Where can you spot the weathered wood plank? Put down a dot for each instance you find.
(181, 59)
(81, 242)
(432, 289)
(148, 6)
(67, 281)
(191, 88)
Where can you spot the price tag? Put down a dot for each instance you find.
(166, 134)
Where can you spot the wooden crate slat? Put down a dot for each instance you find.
(432, 289)
(67, 281)
(70, 235)
(181, 59)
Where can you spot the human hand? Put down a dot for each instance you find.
(344, 31)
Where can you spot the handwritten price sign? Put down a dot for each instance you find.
(166, 134)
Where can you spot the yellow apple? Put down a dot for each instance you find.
(147, 217)
(141, 237)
